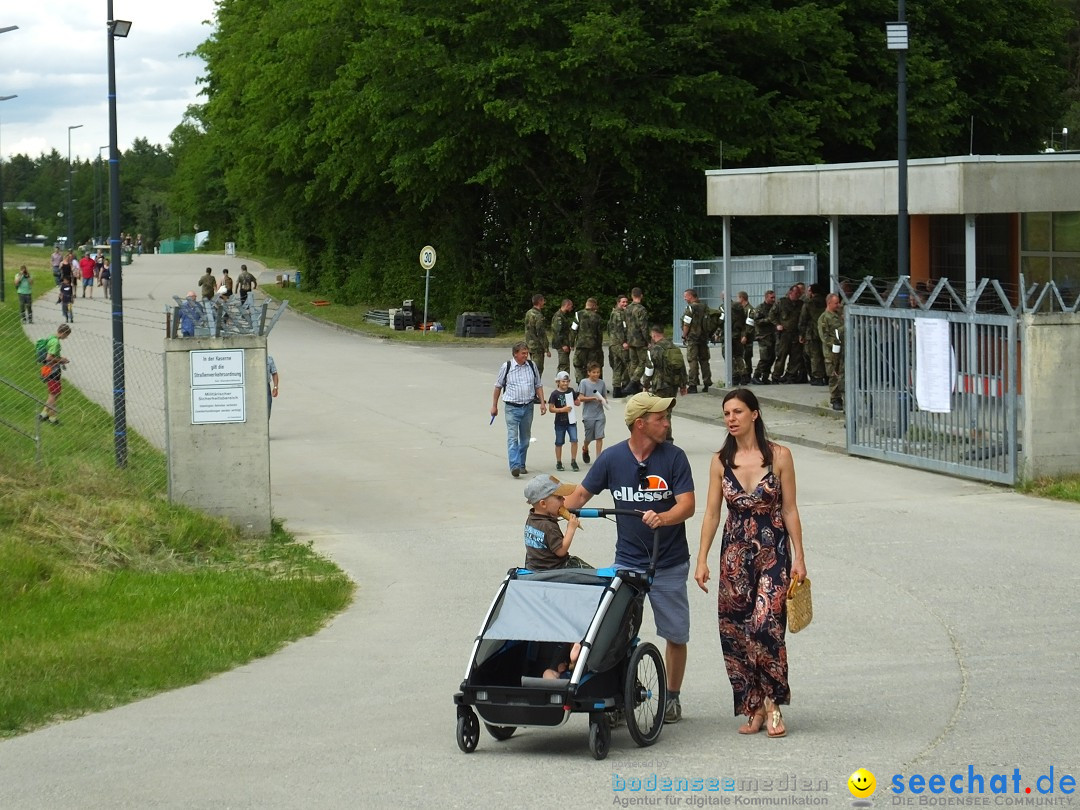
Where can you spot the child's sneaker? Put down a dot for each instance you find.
(559, 466)
(574, 466)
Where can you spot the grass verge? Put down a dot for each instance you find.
(108, 593)
(1066, 488)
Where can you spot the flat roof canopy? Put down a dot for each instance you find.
(969, 184)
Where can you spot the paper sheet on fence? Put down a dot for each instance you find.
(933, 366)
(545, 611)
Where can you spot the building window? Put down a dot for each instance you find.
(1050, 250)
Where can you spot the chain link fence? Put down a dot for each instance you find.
(85, 405)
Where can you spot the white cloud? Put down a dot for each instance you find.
(57, 64)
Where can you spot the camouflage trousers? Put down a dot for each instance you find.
(834, 367)
(748, 357)
(788, 353)
(583, 355)
(620, 375)
(564, 361)
(697, 357)
(636, 362)
(536, 354)
(766, 356)
(815, 359)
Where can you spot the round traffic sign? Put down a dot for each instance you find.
(427, 257)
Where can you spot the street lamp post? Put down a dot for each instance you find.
(70, 223)
(2, 272)
(116, 28)
(896, 39)
(3, 30)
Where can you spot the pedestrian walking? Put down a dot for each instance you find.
(24, 289)
(536, 336)
(761, 552)
(518, 386)
(51, 373)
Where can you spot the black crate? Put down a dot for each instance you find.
(474, 324)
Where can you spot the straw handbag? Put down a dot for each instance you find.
(800, 607)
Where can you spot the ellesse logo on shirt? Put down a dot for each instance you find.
(654, 488)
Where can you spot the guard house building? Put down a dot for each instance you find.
(971, 217)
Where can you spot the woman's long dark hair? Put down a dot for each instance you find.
(750, 400)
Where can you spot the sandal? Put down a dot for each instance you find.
(774, 725)
(753, 723)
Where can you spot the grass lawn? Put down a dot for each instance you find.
(108, 593)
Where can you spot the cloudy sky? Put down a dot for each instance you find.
(57, 65)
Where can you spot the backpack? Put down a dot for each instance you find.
(536, 374)
(714, 322)
(41, 350)
(673, 369)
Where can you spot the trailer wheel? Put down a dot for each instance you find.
(468, 731)
(646, 694)
(500, 733)
(599, 738)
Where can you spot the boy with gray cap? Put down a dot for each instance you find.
(546, 545)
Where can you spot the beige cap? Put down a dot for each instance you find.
(640, 404)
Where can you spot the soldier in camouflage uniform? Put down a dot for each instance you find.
(665, 371)
(830, 330)
(696, 340)
(765, 334)
(746, 338)
(560, 333)
(785, 319)
(637, 339)
(808, 334)
(739, 374)
(588, 329)
(536, 333)
(617, 350)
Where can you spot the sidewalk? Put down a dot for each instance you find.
(794, 414)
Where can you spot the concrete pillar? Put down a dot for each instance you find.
(217, 428)
(1051, 389)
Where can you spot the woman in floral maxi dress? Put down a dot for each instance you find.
(761, 551)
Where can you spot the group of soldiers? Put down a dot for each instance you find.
(800, 339)
(640, 356)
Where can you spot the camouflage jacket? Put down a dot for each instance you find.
(637, 325)
(536, 330)
(786, 314)
(738, 321)
(763, 326)
(588, 329)
(693, 323)
(616, 327)
(560, 329)
(808, 318)
(830, 329)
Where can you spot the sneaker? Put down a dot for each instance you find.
(585, 456)
(54, 422)
(673, 712)
(524, 471)
(574, 466)
(41, 417)
(559, 466)
(515, 472)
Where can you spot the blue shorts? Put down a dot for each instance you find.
(561, 432)
(88, 282)
(670, 604)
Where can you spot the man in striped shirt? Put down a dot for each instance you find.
(516, 384)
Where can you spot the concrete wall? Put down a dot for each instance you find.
(222, 469)
(1051, 389)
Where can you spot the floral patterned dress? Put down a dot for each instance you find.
(755, 567)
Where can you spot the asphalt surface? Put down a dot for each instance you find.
(945, 631)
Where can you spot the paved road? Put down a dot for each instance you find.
(945, 632)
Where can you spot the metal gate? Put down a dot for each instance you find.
(754, 274)
(901, 346)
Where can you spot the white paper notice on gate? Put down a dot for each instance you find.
(933, 365)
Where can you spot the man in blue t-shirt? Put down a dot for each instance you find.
(649, 474)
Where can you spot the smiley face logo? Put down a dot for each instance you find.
(862, 784)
